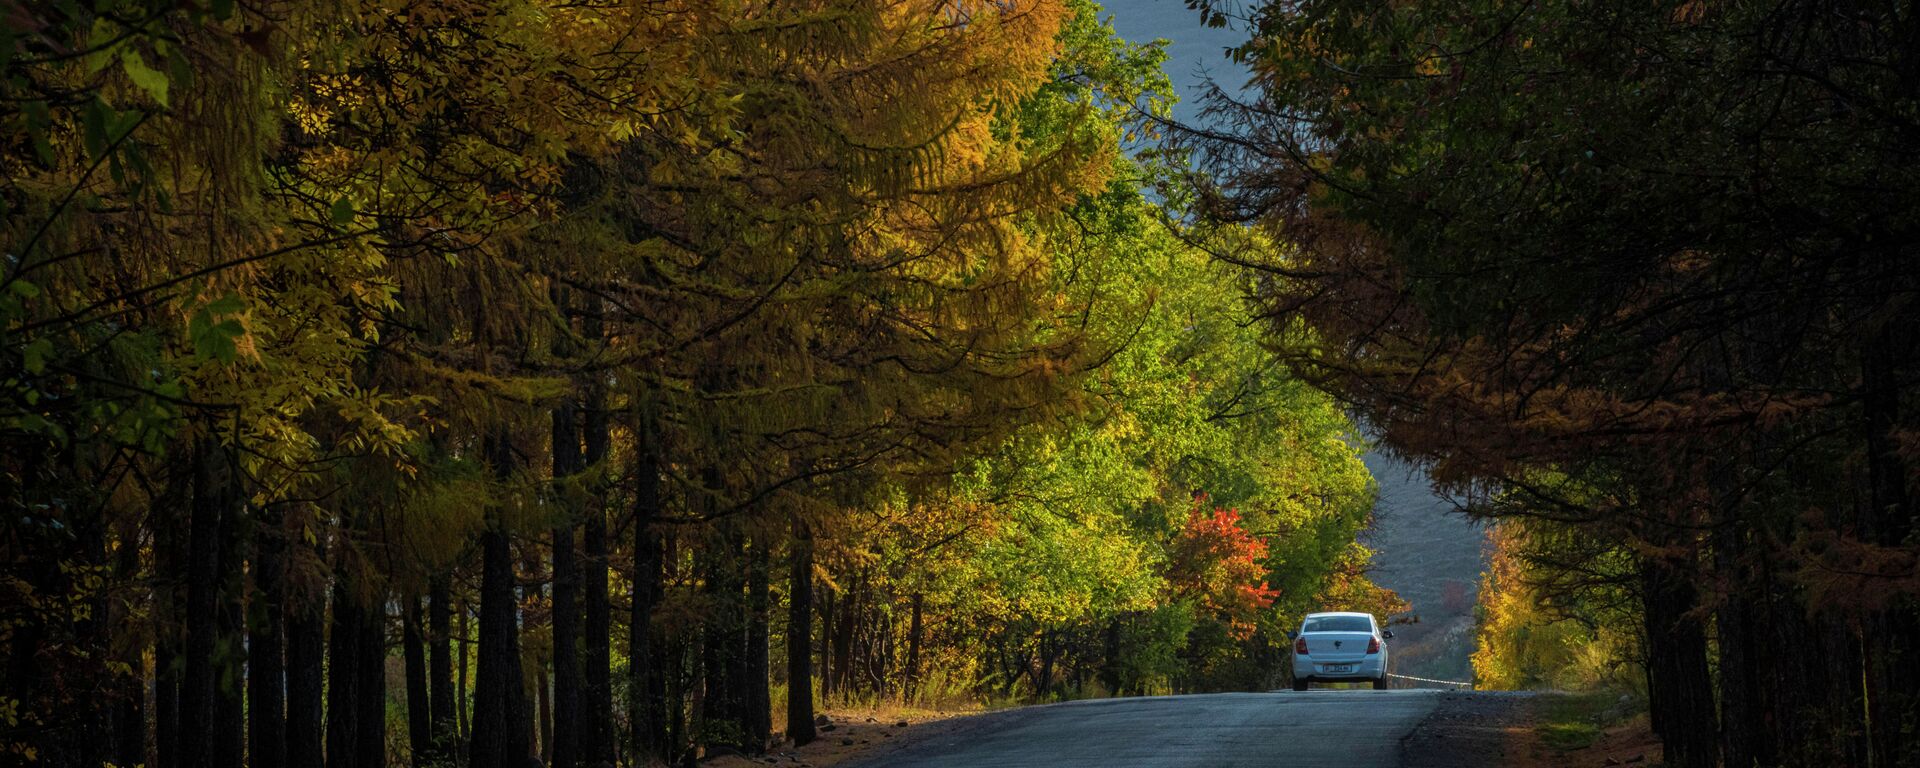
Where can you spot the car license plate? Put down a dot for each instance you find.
(1337, 668)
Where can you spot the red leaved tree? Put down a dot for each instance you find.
(1218, 563)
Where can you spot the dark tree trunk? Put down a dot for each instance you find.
(306, 643)
(1043, 675)
(596, 686)
(343, 674)
(676, 657)
(129, 711)
(1743, 737)
(465, 643)
(1680, 690)
(501, 720)
(266, 692)
(419, 703)
(828, 669)
(1110, 660)
(371, 698)
(497, 684)
(913, 646)
(800, 637)
(198, 683)
(564, 734)
(723, 643)
(167, 661)
(229, 704)
(846, 608)
(646, 676)
(543, 705)
(441, 718)
(759, 699)
(1891, 649)
(170, 552)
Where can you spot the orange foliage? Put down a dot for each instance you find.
(1218, 563)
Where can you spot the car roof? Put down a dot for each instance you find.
(1337, 613)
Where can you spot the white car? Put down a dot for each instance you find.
(1339, 647)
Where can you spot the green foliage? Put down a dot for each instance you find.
(1543, 625)
(328, 289)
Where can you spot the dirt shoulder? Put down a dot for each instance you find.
(1584, 731)
(1471, 729)
(852, 736)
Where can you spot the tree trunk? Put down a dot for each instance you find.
(723, 643)
(800, 637)
(229, 704)
(443, 730)
(465, 643)
(343, 673)
(371, 698)
(266, 692)
(543, 705)
(758, 699)
(1680, 690)
(500, 716)
(419, 702)
(1110, 660)
(306, 646)
(676, 657)
(596, 683)
(564, 733)
(828, 669)
(129, 710)
(200, 682)
(171, 558)
(913, 647)
(1890, 649)
(498, 679)
(1744, 739)
(846, 608)
(646, 677)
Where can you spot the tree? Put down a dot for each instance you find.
(1635, 267)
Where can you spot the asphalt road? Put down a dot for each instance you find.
(1344, 728)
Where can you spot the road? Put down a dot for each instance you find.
(1345, 728)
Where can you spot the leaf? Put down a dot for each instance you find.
(227, 305)
(214, 341)
(100, 53)
(34, 355)
(146, 78)
(93, 121)
(342, 211)
(179, 68)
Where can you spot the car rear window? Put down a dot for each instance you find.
(1339, 624)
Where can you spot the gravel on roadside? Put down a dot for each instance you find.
(1470, 730)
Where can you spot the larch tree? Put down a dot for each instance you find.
(1643, 270)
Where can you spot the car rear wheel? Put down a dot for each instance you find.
(1300, 683)
(1380, 683)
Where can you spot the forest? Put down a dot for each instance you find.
(1637, 283)
(464, 382)
(621, 383)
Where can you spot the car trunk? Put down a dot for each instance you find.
(1337, 647)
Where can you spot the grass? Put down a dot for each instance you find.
(1575, 721)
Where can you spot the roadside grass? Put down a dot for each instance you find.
(1574, 721)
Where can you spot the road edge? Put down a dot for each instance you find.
(1470, 729)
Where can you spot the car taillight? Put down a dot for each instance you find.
(1300, 646)
(1373, 645)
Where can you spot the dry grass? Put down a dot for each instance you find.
(1584, 732)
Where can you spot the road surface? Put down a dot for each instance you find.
(1333, 728)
